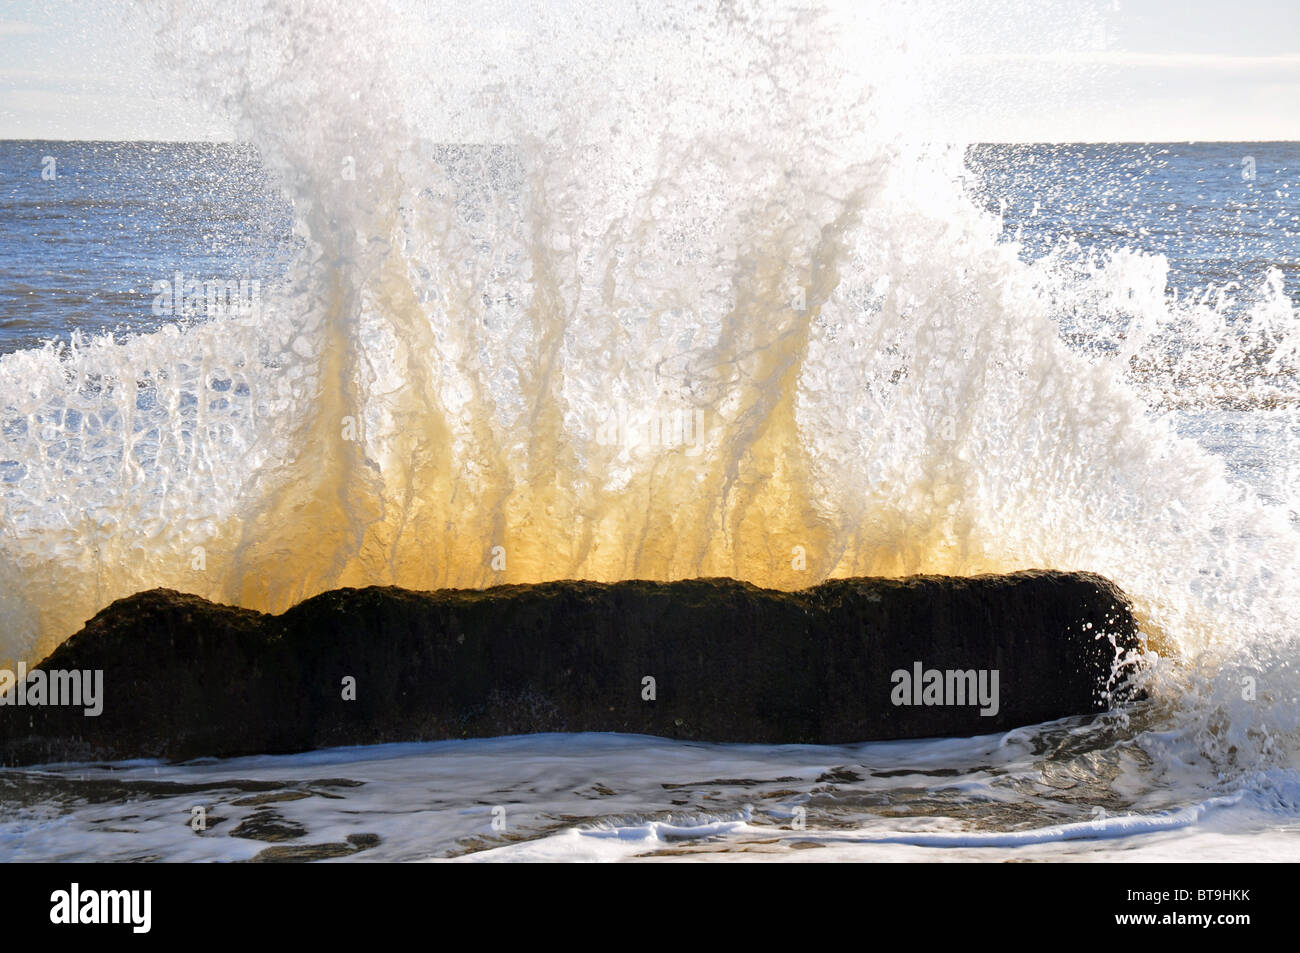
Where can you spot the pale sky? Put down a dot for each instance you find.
(1145, 70)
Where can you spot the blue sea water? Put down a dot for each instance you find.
(80, 252)
(1221, 213)
(86, 228)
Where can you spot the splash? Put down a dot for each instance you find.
(532, 243)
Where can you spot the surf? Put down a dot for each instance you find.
(516, 228)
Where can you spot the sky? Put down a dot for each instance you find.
(1019, 70)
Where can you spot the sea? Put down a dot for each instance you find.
(413, 327)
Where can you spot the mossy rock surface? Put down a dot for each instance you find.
(731, 662)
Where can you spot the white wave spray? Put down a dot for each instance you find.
(529, 233)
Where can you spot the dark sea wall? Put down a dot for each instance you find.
(707, 659)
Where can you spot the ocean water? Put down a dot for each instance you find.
(83, 248)
(475, 274)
